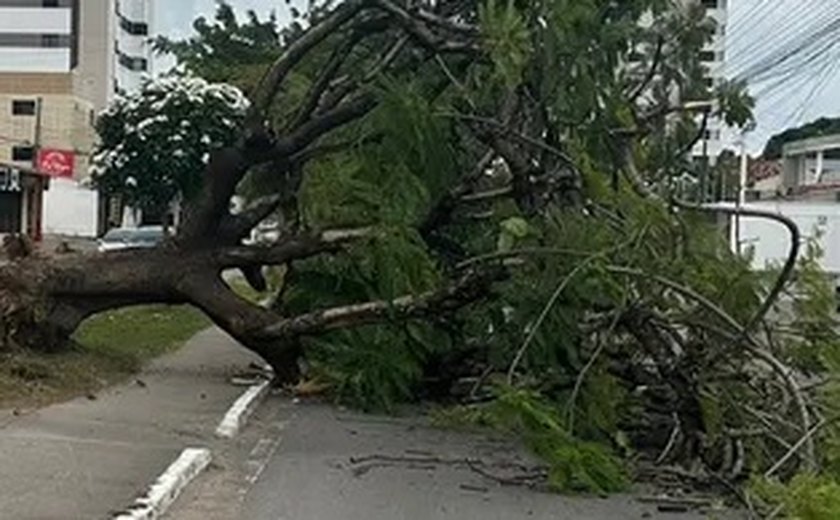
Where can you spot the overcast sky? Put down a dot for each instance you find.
(755, 29)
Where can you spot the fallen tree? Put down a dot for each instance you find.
(483, 193)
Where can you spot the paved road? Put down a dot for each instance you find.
(87, 458)
(302, 462)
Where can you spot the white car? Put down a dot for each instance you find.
(131, 238)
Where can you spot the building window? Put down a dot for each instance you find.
(135, 64)
(710, 4)
(51, 40)
(11, 39)
(23, 153)
(23, 107)
(134, 28)
(51, 3)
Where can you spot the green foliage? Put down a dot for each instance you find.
(574, 465)
(506, 37)
(512, 231)
(154, 145)
(392, 182)
(735, 107)
(372, 367)
(805, 497)
(814, 341)
(226, 50)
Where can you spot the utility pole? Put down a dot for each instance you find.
(704, 179)
(742, 184)
(36, 141)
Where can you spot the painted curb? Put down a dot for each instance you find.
(168, 486)
(238, 414)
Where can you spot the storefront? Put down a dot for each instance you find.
(21, 200)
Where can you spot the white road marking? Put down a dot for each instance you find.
(168, 486)
(261, 455)
(238, 414)
(262, 447)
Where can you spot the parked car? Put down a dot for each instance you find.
(131, 238)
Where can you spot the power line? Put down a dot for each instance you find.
(746, 23)
(768, 65)
(784, 34)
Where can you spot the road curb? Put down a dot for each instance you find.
(238, 414)
(168, 486)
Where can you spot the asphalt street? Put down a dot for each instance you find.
(299, 461)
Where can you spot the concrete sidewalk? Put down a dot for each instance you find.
(87, 459)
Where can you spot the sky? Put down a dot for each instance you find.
(791, 94)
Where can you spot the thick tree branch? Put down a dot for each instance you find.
(313, 97)
(449, 24)
(504, 130)
(422, 33)
(313, 129)
(236, 227)
(441, 214)
(347, 85)
(468, 289)
(292, 248)
(270, 84)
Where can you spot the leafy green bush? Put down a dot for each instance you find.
(805, 497)
(574, 465)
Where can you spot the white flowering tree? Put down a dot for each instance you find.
(156, 143)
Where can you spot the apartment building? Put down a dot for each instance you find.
(62, 61)
(714, 58)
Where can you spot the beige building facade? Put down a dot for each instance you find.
(38, 121)
(61, 63)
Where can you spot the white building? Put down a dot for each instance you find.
(714, 58)
(133, 51)
(61, 62)
(38, 36)
(812, 169)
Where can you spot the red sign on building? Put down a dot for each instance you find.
(56, 163)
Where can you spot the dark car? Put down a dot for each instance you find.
(131, 238)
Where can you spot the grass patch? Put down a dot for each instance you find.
(110, 347)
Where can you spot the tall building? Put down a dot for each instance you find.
(714, 58)
(62, 61)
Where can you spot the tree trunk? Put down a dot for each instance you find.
(43, 300)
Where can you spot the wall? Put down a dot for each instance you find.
(94, 76)
(70, 209)
(770, 241)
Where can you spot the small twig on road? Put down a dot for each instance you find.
(528, 476)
